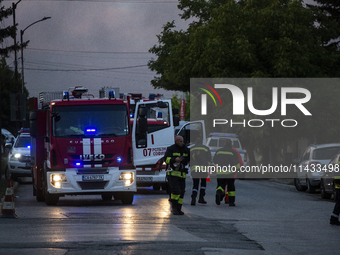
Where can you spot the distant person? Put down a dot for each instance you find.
(200, 157)
(227, 160)
(177, 157)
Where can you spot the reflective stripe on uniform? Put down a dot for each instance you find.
(178, 174)
(220, 188)
(168, 160)
(231, 193)
(224, 153)
(174, 197)
(180, 201)
(199, 148)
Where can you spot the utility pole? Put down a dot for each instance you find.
(14, 6)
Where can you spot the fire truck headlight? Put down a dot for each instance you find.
(128, 177)
(57, 179)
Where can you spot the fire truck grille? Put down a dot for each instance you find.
(92, 185)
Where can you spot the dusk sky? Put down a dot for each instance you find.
(91, 43)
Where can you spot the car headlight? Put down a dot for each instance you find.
(15, 157)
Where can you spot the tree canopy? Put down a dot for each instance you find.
(244, 38)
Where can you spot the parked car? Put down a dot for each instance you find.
(312, 165)
(19, 158)
(327, 179)
(214, 143)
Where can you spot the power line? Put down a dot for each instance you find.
(99, 52)
(84, 70)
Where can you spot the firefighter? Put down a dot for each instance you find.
(200, 157)
(241, 164)
(226, 163)
(177, 156)
(335, 215)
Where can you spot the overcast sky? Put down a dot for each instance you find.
(84, 36)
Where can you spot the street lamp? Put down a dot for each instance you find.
(22, 49)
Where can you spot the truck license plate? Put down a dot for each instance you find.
(93, 177)
(144, 179)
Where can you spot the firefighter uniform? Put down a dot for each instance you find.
(336, 211)
(200, 159)
(226, 163)
(177, 173)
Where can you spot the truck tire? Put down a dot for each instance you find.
(298, 185)
(39, 195)
(126, 198)
(50, 199)
(106, 197)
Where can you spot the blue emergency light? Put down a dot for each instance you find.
(159, 115)
(119, 159)
(152, 96)
(66, 95)
(132, 115)
(111, 94)
(90, 131)
(78, 164)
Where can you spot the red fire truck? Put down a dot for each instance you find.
(85, 145)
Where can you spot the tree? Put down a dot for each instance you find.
(247, 39)
(7, 79)
(242, 39)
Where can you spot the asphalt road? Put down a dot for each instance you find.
(269, 218)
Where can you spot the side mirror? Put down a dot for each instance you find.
(161, 104)
(175, 111)
(176, 121)
(142, 111)
(8, 145)
(33, 123)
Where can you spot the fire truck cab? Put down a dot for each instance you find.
(82, 145)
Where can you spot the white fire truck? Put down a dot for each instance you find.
(150, 166)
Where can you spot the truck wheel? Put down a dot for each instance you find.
(106, 197)
(39, 195)
(324, 195)
(49, 198)
(126, 198)
(298, 185)
(156, 187)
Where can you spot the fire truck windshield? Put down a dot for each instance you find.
(90, 120)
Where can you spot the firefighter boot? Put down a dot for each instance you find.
(232, 200)
(175, 207)
(201, 198)
(218, 196)
(180, 210)
(193, 198)
(334, 221)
